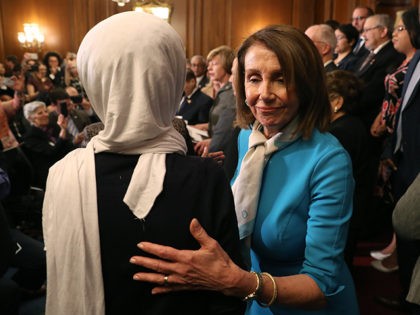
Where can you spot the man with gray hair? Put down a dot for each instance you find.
(373, 68)
(199, 67)
(323, 37)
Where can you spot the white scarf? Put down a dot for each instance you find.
(246, 188)
(133, 68)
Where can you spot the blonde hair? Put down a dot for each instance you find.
(226, 56)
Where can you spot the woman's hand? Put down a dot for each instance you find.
(378, 127)
(208, 268)
(62, 123)
(78, 138)
(201, 146)
(218, 157)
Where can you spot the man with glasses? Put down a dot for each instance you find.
(360, 14)
(373, 68)
(199, 67)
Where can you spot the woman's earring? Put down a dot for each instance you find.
(246, 103)
(335, 109)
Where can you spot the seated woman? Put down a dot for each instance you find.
(223, 111)
(39, 84)
(195, 105)
(44, 144)
(347, 37)
(132, 182)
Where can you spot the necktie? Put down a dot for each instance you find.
(367, 61)
(358, 45)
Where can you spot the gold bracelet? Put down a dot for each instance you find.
(256, 293)
(274, 296)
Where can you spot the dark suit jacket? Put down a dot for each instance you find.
(408, 161)
(203, 82)
(361, 52)
(330, 67)
(43, 152)
(195, 109)
(373, 76)
(348, 63)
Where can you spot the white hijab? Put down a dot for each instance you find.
(132, 66)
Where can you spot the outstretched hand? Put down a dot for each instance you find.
(208, 268)
(218, 156)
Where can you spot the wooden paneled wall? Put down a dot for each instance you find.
(203, 24)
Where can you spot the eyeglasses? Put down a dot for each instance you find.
(400, 28)
(358, 18)
(365, 30)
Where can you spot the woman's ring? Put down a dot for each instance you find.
(165, 280)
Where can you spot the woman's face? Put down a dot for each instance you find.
(40, 117)
(216, 72)
(42, 70)
(53, 62)
(401, 38)
(265, 90)
(343, 44)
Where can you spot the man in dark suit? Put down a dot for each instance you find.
(359, 16)
(323, 37)
(199, 67)
(403, 157)
(195, 105)
(376, 65)
(372, 71)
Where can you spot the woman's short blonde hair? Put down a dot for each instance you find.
(226, 56)
(303, 72)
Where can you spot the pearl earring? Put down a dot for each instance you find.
(335, 109)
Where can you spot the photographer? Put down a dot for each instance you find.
(62, 103)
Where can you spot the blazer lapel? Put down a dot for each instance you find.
(410, 70)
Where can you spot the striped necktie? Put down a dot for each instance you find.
(368, 60)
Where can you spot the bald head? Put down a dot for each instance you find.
(198, 65)
(322, 35)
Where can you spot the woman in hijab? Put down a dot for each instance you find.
(132, 182)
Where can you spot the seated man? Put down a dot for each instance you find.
(324, 40)
(195, 105)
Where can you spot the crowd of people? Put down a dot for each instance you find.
(139, 216)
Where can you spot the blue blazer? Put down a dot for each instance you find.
(304, 208)
(195, 109)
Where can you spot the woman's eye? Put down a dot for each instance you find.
(253, 79)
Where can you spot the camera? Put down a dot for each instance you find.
(62, 106)
(76, 99)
